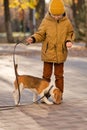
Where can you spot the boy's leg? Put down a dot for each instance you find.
(59, 79)
(47, 71)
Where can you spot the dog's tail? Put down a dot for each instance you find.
(17, 82)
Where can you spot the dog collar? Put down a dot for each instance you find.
(48, 93)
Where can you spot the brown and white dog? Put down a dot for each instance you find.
(38, 86)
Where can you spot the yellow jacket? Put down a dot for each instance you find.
(54, 34)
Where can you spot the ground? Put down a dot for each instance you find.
(70, 115)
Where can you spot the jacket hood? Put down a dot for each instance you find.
(49, 17)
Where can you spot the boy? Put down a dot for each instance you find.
(56, 34)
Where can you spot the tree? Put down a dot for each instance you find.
(69, 11)
(35, 8)
(86, 22)
(40, 12)
(7, 21)
(36, 13)
(79, 15)
(31, 26)
(26, 4)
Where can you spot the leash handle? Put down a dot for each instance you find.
(23, 41)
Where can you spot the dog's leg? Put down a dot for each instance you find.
(35, 97)
(47, 101)
(44, 99)
(16, 94)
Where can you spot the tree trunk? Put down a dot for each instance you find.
(86, 24)
(7, 21)
(31, 26)
(40, 9)
(80, 13)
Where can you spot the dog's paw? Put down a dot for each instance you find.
(36, 102)
(50, 103)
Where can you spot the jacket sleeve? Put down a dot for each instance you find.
(40, 35)
(70, 34)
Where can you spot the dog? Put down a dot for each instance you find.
(38, 86)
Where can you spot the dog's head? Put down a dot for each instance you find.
(57, 95)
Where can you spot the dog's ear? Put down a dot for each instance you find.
(52, 94)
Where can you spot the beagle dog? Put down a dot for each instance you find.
(38, 86)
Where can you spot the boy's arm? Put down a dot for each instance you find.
(39, 36)
(70, 35)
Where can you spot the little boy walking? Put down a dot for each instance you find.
(56, 34)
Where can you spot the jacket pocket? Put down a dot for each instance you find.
(64, 49)
(46, 48)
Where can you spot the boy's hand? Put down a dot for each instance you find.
(29, 40)
(69, 44)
